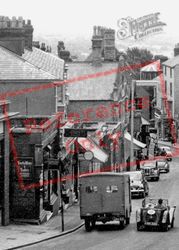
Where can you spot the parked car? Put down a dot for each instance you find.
(139, 184)
(151, 215)
(150, 170)
(163, 165)
(105, 197)
(168, 152)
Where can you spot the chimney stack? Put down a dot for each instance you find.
(15, 34)
(109, 45)
(176, 50)
(62, 53)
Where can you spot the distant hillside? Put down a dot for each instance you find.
(81, 47)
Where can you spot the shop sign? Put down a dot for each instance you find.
(25, 165)
(88, 155)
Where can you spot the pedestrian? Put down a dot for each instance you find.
(137, 164)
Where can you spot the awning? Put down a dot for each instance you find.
(137, 144)
(90, 145)
(144, 121)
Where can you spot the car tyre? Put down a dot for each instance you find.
(142, 195)
(139, 226)
(172, 223)
(165, 227)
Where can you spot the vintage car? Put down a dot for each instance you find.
(139, 184)
(153, 215)
(163, 165)
(150, 170)
(168, 152)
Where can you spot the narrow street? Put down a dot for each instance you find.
(108, 236)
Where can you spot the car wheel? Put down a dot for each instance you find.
(172, 223)
(139, 226)
(157, 178)
(88, 225)
(165, 227)
(143, 195)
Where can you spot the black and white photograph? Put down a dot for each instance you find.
(89, 125)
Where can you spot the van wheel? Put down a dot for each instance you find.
(93, 222)
(121, 224)
(88, 225)
(127, 220)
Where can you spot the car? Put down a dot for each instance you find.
(168, 152)
(139, 184)
(150, 170)
(151, 215)
(163, 165)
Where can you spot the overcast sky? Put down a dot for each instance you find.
(77, 17)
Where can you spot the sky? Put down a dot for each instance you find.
(77, 17)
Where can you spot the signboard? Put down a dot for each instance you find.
(72, 132)
(25, 165)
(88, 155)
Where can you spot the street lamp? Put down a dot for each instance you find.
(132, 122)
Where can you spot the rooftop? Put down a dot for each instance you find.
(14, 67)
(45, 61)
(93, 88)
(172, 62)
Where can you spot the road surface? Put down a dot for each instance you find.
(109, 237)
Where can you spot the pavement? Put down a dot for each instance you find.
(16, 236)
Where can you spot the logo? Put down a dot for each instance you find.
(140, 27)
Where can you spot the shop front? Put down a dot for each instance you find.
(5, 117)
(35, 169)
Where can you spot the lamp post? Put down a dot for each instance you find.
(132, 122)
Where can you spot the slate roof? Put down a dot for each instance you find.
(96, 88)
(172, 62)
(14, 67)
(45, 61)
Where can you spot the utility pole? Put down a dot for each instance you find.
(132, 123)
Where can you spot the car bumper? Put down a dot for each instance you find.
(148, 177)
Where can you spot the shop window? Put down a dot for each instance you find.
(171, 72)
(91, 189)
(112, 189)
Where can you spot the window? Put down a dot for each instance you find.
(112, 189)
(91, 189)
(166, 87)
(171, 89)
(165, 70)
(170, 72)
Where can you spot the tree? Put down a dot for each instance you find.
(138, 56)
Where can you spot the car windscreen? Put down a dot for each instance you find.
(135, 176)
(160, 163)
